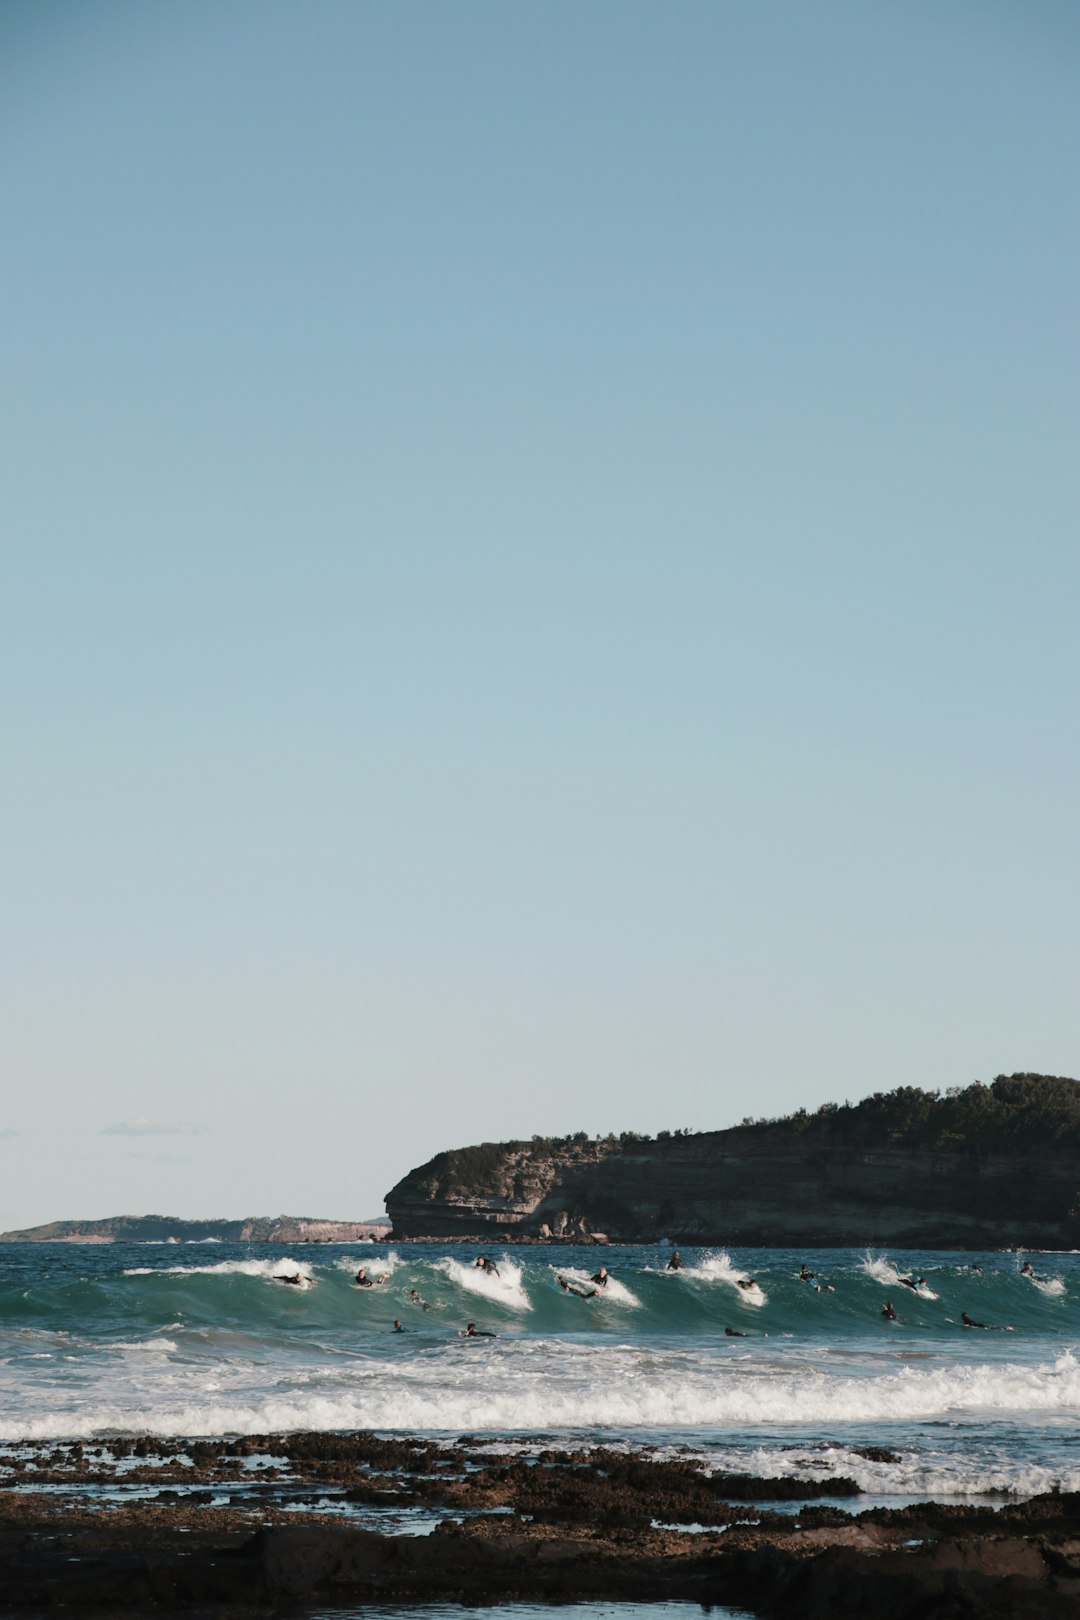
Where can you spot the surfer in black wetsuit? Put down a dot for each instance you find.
(966, 1319)
(415, 1298)
(488, 1267)
(735, 1333)
(805, 1275)
(600, 1277)
(746, 1283)
(398, 1327)
(579, 1293)
(296, 1282)
(888, 1312)
(362, 1279)
(675, 1263)
(473, 1332)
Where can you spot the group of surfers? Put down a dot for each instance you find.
(599, 1279)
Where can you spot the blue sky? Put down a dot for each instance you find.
(539, 581)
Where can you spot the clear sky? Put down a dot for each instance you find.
(539, 580)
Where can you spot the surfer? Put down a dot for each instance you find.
(966, 1319)
(398, 1327)
(1028, 1270)
(675, 1263)
(415, 1298)
(735, 1333)
(908, 1282)
(362, 1279)
(746, 1283)
(473, 1332)
(805, 1275)
(383, 1277)
(579, 1293)
(297, 1281)
(888, 1312)
(488, 1267)
(600, 1277)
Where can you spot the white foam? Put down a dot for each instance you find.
(272, 1269)
(142, 1344)
(919, 1472)
(507, 1288)
(720, 1268)
(881, 1270)
(1052, 1286)
(374, 1268)
(613, 1289)
(538, 1385)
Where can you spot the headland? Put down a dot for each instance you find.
(986, 1166)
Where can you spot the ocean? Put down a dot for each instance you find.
(811, 1381)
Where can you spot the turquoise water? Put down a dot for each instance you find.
(206, 1339)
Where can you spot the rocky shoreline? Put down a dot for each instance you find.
(232, 1528)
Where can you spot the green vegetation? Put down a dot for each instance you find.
(1014, 1111)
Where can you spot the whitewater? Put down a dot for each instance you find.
(736, 1357)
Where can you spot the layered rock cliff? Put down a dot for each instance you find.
(988, 1166)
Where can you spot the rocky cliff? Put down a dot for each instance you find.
(988, 1166)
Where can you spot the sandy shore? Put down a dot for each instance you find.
(230, 1528)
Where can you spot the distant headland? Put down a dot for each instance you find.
(169, 1229)
(987, 1166)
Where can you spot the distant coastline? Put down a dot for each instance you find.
(172, 1229)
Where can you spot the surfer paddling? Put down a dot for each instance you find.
(578, 1293)
(990, 1327)
(473, 1332)
(362, 1280)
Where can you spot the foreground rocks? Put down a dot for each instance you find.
(553, 1527)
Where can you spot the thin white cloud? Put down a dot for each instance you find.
(5, 1136)
(141, 1126)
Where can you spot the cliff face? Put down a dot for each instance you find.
(799, 1182)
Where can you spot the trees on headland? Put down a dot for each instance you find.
(1016, 1110)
